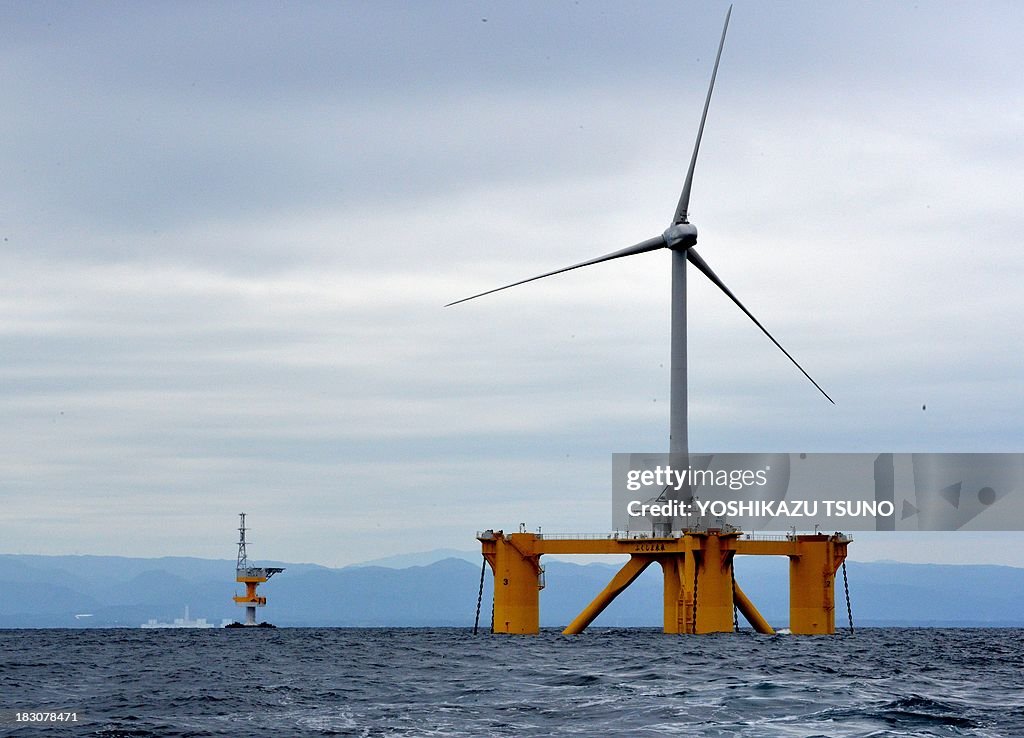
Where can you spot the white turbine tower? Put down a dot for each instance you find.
(680, 238)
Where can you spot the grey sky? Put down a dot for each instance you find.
(228, 230)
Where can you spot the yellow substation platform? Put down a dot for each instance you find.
(700, 588)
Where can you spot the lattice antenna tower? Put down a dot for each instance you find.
(243, 562)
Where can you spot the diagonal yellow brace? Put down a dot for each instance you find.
(622, 579)
(750, 612)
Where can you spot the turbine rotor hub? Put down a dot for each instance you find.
(680, 236)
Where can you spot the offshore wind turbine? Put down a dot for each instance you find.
(679, 238)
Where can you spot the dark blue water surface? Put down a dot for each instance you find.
(446, 682)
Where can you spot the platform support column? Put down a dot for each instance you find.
(709, 555)
(678, 593)
(516, 582)
(714, 585)
(250, 596)
(811, 584)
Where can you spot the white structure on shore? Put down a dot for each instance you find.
(184, 622)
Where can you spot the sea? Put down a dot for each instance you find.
(448, 682)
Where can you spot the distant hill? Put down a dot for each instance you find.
(49, 591)
(423, 558)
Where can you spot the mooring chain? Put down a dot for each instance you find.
(693, 628)
(479, 599)
(846, 587)
(735, 611)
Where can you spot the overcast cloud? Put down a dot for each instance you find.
(228, 230)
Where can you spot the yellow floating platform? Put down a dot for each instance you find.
(700, 587)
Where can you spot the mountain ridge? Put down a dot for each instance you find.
(49, 591)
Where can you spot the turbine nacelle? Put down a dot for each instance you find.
(680, 236)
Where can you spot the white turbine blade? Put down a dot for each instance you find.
(649, 245)
(684, 198)
(698, 262)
